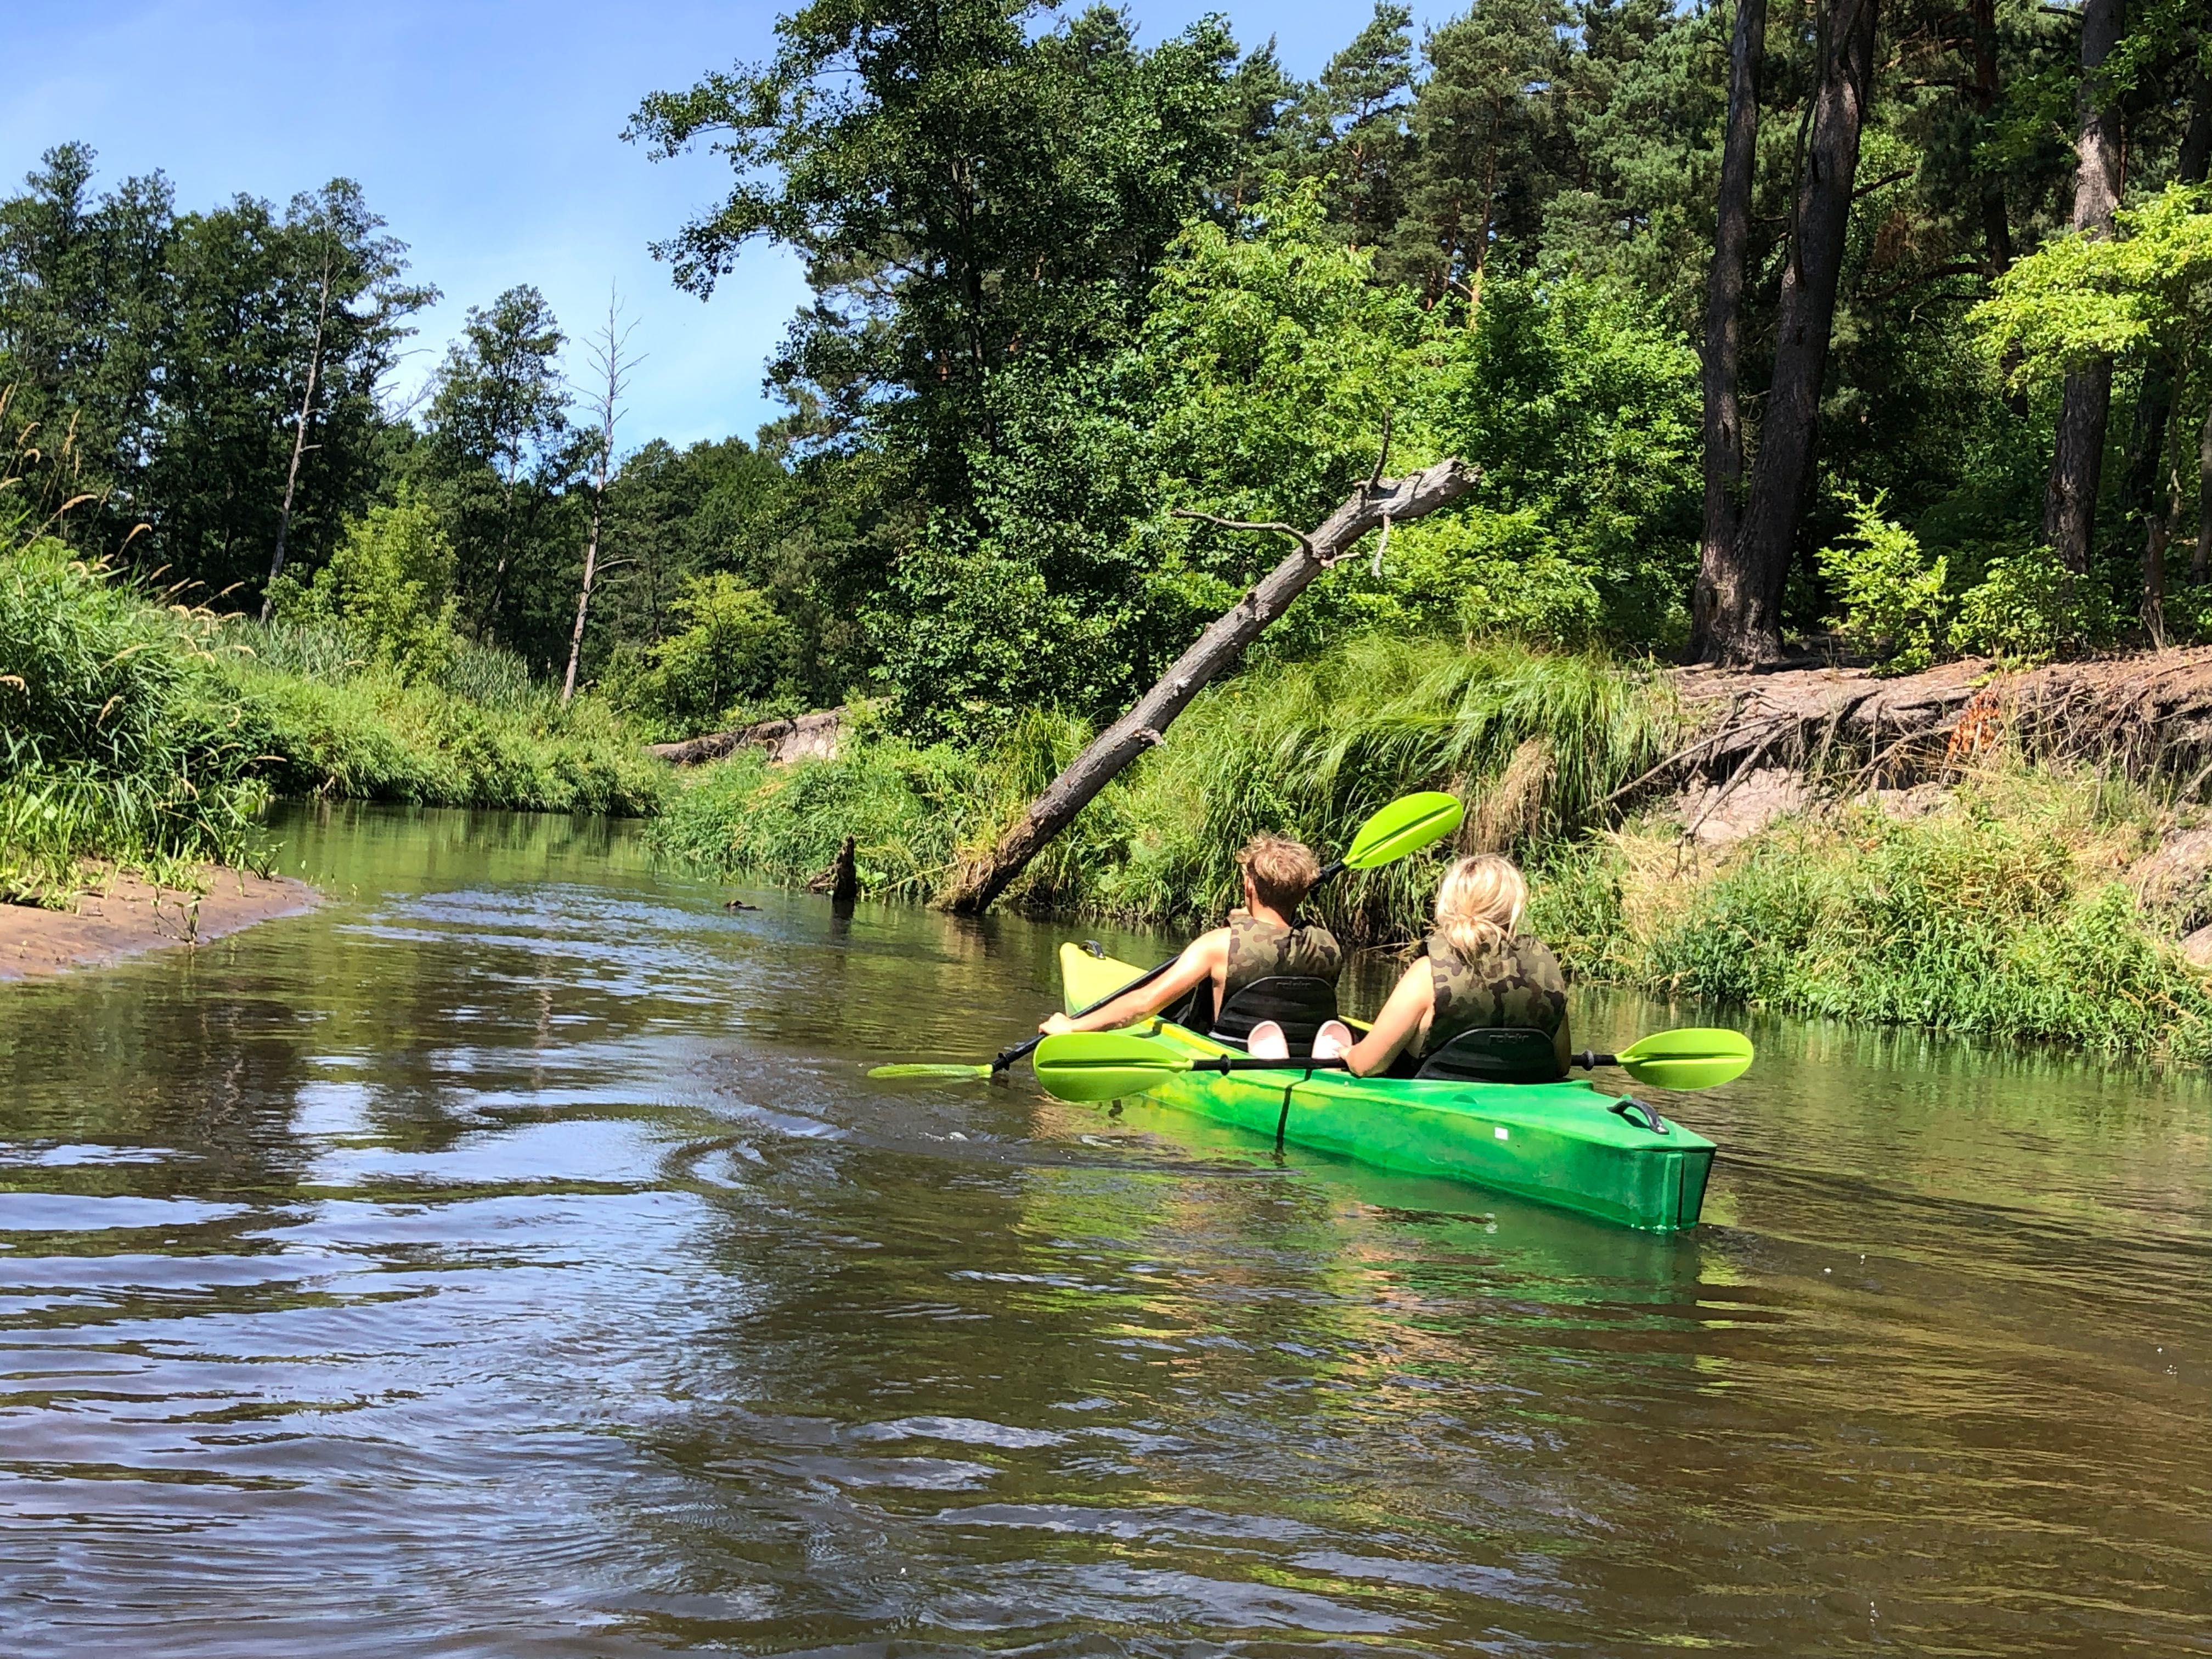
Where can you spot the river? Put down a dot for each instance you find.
(511, 1258)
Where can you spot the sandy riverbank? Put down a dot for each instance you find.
(128, 915)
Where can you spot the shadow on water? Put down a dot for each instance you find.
(513, 1257)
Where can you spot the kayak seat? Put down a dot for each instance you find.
(1494, 1054)
(1299, 1003)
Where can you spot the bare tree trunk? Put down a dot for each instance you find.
(1718, 591)
(2077, 462)
(299, 432)
(1380, 501)
(608, 359)
(1751, 629)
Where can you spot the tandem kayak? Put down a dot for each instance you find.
(1565, 1144)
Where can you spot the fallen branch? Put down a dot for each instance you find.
(1401, 500)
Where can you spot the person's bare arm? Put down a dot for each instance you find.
(1198, 963)
(1410, 1000)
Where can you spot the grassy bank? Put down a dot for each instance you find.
(151, 736)
(2004, 913)
(1538, 740)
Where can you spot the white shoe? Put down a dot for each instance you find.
(1267, 1042)
(1332, 1040)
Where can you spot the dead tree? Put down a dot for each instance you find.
(300, 425)
(1376, 504)
(612, 368)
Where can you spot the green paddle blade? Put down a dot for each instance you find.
(946, 1071)
(1406, 825)
(1102, 1065)
(1693, 1058)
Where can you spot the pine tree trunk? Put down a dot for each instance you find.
(1751, 630)
(1719, 591)
(1397, 500)
(2077, 463)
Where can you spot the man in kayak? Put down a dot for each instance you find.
(1478, 972)
(1262, 940)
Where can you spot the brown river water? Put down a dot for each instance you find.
(513, 1259)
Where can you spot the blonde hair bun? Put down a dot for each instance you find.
(1479, 904)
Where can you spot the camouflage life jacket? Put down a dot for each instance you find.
(1261, 950)
(1517, 985)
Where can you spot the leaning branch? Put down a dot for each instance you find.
(1376, 503)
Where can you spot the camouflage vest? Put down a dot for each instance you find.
(1261, 950)
(1517, 986)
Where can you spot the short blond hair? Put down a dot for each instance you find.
(1282, 871)
(1479, 904)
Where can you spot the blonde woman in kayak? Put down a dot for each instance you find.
(1479, 971)
(1263, 939)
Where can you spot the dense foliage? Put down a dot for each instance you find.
(1068, 284)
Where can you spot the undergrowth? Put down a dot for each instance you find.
(2002, 915)
(1537, 740)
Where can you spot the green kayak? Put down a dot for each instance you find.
(1563, 1144)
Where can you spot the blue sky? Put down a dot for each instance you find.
(486, 134)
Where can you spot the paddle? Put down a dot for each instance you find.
(1695, 1057)
(1406, 825)
(1107, 1065)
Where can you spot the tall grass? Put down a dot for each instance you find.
(2002, 915)
(1308, 749)
(109, 742)
(152, 735)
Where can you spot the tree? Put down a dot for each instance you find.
(1715, 597)
(354, 273)
(2077, 463)
(964, 191)
(1481, 123)
(1744, 623)
(611, 368)
(498, 414)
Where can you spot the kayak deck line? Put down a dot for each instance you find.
(1563, 1144)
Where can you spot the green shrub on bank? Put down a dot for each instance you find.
(2001, 916)
(371, 735)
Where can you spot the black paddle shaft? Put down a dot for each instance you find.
(1006, 1057)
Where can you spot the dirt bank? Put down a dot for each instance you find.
(2149, 713)
(127, 915)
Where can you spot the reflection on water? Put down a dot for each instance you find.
(511, 1258)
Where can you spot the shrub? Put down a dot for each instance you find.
(1892, 594)
(388, 588)
(2029, 608)
(111, 742)
(735, 653)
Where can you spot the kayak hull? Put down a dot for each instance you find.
(1561, 1144)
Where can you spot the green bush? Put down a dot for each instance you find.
(1309, 748)
(1999, 917)
(735, 655)
(1892, 593)
(2029, 608)
(388, 588)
